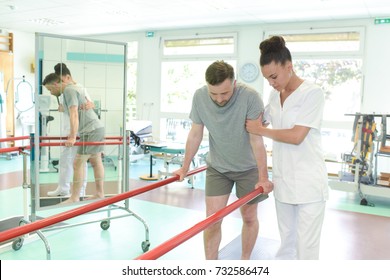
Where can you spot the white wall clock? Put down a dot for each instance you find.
(249, 72)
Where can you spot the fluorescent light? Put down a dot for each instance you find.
(46, 21)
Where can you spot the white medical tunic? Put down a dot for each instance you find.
(299, 172)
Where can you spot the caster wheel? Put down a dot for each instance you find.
(17, 244)
(105, 225)
(145, 246)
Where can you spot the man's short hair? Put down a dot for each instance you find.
(218, 72)
(51, 78)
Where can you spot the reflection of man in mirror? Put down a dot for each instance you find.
(85, 123)
(68, 154)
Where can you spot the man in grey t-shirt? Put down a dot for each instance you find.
(235, 156)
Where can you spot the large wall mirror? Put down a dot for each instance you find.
(99, 67)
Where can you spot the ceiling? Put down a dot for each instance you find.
(84, 17)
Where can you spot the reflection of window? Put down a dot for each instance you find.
(132, 51)
(175, 130)
(333, 60)
(183, 67)
(336, 141)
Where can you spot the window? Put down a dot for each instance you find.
(200, 46)
(179, 81)
(333, 60)
(339, 78)
(132, 55)
(184, 62)
(341, 41)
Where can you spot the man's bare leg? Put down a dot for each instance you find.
(98, 171)
(212, 235)
(250, 229)
(78, 177)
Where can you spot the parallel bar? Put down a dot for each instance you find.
(65, 137)
(10, 149)
(28, 228)
(81, 143)
(14, 138)
(51, 144)
(51, 138)
(185, 235)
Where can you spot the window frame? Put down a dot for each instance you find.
(195, 57)
(322, 54)
(200, 55)
(192, 58)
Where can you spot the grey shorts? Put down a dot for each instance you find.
(96, 135)
(218, 183)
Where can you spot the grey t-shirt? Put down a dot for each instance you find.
(229, 146)
(74, 95)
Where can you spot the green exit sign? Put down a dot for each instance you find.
(149, 34)
(382, 21)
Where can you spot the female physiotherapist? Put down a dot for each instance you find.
(299, 173)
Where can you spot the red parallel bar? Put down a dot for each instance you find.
(28, 228)
(10, 149)
(114, 137)
(51, 138)
(65, 137)
(54, 137)
(18, 149)
(81, 143)
(15, 138)
(191, 232)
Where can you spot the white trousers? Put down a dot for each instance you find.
(67, 157)
(300, 228)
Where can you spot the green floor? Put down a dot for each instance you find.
(340, 200)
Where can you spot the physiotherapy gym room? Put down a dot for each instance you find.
(139, 64)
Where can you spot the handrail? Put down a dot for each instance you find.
(14, 138)
(52, 144)
(189, 233)
(39, 224)
(10, 149)
(17, 138)
(66, 137)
